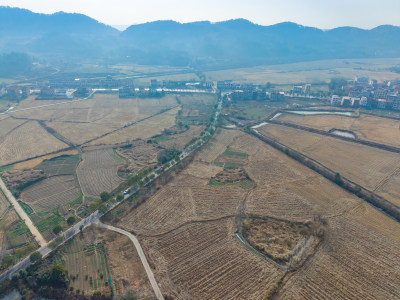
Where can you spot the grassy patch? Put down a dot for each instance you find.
(215, 182)
(162, 138)
(61, 165)
(47, 222)
(228, 165)
(230, 152)
(26, 208)
(77, 201)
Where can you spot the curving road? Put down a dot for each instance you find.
(35, 232)
(143, 258)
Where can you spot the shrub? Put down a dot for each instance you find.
(71, 220)
(57, 229)
(35, 256)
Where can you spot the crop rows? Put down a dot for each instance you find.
(98, 172)
(28, 140)
(208, 262)
(217, 145)
(361, 164)
(354, 263)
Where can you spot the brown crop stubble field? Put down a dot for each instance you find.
(375, 169)
(366, 127)
(176, 223)
(27, 141)
(97, 172)
(51, 193)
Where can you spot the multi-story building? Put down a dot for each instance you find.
(335, 100)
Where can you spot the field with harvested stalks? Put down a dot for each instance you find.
(51, 193)
(187, 227)
(26, 141)
(372, 168)
(366, 127)
(98, 172)
(143, 129)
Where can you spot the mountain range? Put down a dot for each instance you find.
(204, 45)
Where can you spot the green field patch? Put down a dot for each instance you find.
(77, 201)
(26, 208)
(230, 152)
(228, 165)
(47, 222)
(83, 211)
(61, 165)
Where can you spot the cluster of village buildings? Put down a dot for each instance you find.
(363, 92)
(360, 92)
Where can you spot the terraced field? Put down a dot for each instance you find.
(366, 127)
(98, 172)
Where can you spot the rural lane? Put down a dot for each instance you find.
(35, 232)
(143, 258)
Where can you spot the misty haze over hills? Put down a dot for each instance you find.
(204, 45)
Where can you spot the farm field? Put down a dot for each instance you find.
(188, 211)
(140, 155)
(143, 130)
(210, 265)
(179, 140)
(366, 127)
(372, 168)
(98, 172)
(85, 120)
(51, 193)
(311, 71)
(196, 109)
(13, 146)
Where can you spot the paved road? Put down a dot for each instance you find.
(91, 219)
(35, 232)
(143, 258)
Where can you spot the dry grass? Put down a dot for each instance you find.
(370, 128)
(27, 141)
(372, 168)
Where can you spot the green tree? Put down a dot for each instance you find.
(8, 260)
(104, 196)
(35, 256)
(57, 229)
(120, 197)
(71, 220)
(58, 275)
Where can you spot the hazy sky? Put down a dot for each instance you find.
(323, 14)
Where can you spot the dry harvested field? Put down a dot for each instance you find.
(51, 193)
(88, 119)
(187, 230)
(178, 141)
(366, 127)
(217, 144)
(27, 141)
(140, 155)
(98, 172)
(372, 168)
(356, 261)
(206, 261)
(143, 130)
